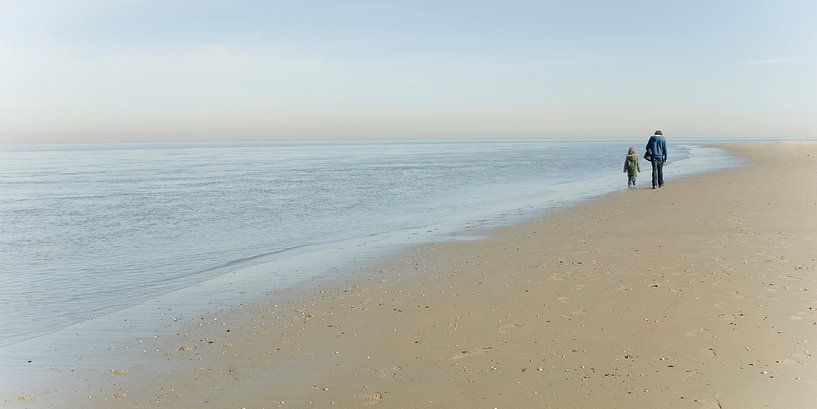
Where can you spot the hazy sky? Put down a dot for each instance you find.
(88, 70)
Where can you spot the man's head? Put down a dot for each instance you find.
(658, 133)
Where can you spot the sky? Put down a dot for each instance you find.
(137, 70)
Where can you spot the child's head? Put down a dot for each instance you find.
(631, 151)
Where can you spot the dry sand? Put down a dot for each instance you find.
(701, 294)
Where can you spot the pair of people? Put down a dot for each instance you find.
(656, 153)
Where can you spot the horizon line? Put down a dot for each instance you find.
(408, 139)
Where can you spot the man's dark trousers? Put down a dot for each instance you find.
(657, 172)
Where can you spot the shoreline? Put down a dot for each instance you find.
(343, 253)
(410, 286)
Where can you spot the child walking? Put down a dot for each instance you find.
(631, 167)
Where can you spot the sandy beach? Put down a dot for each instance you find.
(701, 294)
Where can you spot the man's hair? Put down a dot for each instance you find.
(659, 133)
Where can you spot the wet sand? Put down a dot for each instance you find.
(701, 294)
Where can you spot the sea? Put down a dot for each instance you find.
(95, 231)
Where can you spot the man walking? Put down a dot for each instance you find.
(657, 149)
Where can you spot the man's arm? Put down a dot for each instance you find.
(664, 148)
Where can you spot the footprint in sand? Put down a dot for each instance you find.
(791, 277)
(370, 399)
(389, 373)
(711, 404)
(466, 353)
(510, 327)
(573, 314)
(798, 358)
(696, 332)
(563, 299)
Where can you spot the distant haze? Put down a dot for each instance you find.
(131, 70)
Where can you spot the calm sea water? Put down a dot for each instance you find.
(92, 229)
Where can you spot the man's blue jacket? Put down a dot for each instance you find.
(657, 145)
